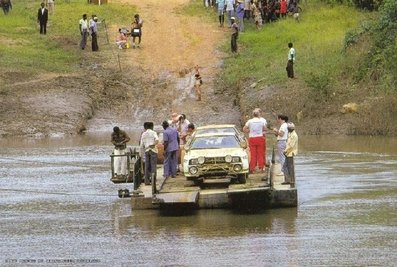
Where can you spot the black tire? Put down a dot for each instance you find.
(242, 178)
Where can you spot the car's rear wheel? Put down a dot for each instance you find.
(242, 178)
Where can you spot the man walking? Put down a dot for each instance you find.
(171, 146)
(42, 18)
(83, 26)
(290, 151)
(256, 128)
(149, 141)
(119, 140)
(291, 60)
(94, 33)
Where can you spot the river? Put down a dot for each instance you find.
(59, 208)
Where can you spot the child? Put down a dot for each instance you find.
(197, 83)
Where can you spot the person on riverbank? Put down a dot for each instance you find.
(94, 32)
(257, 15)
(290, 151)
(240, 15)
(230, 11)
(197, 83)
(282, 135)
(171, 147)
(122, 40)
(83, 26)
(283, 9)
(119, 139)
(51, 6)
(149, 141)
(136, 31)
(234, 35)
(221, 11)
(6, 6)
(174, 121)
(182, 128)
(42, 18)
(291, 61)
(256, 129)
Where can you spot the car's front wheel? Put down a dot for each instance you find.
(242, 178)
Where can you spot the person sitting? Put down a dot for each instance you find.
(122, 40)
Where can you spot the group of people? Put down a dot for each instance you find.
(176, 132)
(260, 11)
(136, 34)
(287, 144)
(86, 28)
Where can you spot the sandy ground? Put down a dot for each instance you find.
(172, 44)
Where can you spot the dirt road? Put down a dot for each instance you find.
(172, 44)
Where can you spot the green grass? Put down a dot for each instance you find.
(22, 48)
(318, 40)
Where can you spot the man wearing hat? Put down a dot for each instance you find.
(290, 151)
(234, 35)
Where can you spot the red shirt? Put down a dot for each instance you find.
(283, 7)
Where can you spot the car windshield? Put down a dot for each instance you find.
(215, 142)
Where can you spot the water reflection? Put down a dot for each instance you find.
(204, 223)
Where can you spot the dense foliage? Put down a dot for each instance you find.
(380, 62)
(370, 5)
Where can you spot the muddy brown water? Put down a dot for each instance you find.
(58, 208)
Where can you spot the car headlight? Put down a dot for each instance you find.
(236, 159)
(193, 162)
(237, 168)
(228, 158)
(193, 170)
(201, 160)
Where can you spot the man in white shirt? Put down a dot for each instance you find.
(149, 141)
(282, 134)
(230, 11)
(256, 129)
(291, 60)
(83, 26)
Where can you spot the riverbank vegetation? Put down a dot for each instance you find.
(345, 67)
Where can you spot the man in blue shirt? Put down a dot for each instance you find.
(221, 12)
(171, 147)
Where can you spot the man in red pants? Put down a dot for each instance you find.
(256, 129)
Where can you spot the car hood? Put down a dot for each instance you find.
(215, 152)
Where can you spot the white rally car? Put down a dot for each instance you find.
(214, 156)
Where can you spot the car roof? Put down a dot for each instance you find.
(214, 134)
(217, 126)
